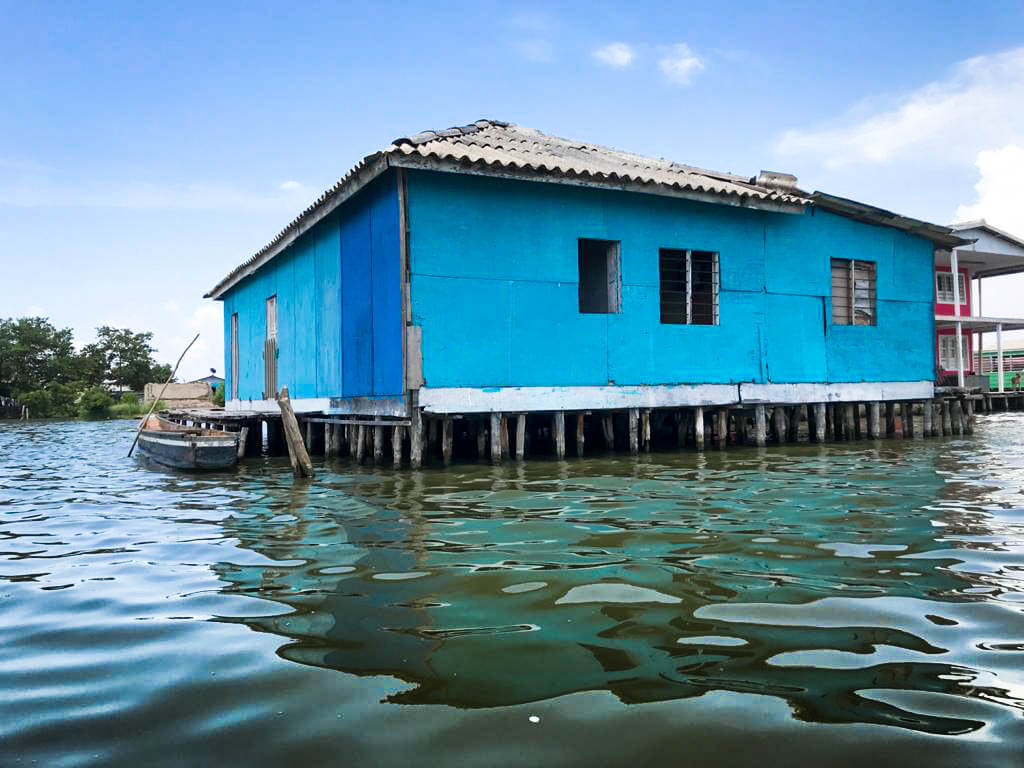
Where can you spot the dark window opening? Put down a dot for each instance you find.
(689, 283)
(600, 283)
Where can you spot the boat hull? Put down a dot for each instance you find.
(187, 451)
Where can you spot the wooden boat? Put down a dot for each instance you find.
(175, 445)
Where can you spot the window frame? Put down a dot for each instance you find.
(850, 267)
(235, 357)
(612, 275)
(271, 310)
(716, 285)
(946, 297)
(949, 339)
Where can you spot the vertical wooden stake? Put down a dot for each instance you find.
(328, 440)
(396, 445)
(849, 431)
(496, 419)
(243, 435)
(957, 413)
(520, 436)
(634, 426)
(682, 425)
(926, 418)
(779, 423)
(698, 428)
(645, 429)
(378, 445)
(721, 428)
(360, 443)
(874, 420)
(890, 419)
(416, 438)
(504, 435)
(908, 419)
(819, 422)
(793, 424)
(969, 416)
(608, 428)
(760, 426)
(558, 433)
(446, 440)
(481, 439)
(947, 419)
(580, 434)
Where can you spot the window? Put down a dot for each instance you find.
(944, 287)
(947, 352)
(689, 286)
(234, 356)
(600, 281)
(853, 292)
(272, 317)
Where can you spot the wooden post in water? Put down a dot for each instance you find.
(496, 419)
(580, 434)
(558, 433)
(947, 418)
(608, 429)
(760, 426)
(396, 445)
(969, 403)
(504, 435)
(698, 427)
(779, 423)
(378, 444)
(793, 424)
(956, 414)
(520, 436)
(848, 426)
(645, 429)
(682, 426)
(908, 419)
(481, 439)
(301, 465)
(416, 438)
(721, 428)
(890, 419)
(243, 436)
(819, 422)
(360, 443)
(926, 418)
(446, 440)
(874, 420)
(634, 427)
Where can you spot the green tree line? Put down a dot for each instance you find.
(40, 367)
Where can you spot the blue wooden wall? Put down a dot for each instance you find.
(339, 304)
(494, 287)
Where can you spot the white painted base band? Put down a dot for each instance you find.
(528, 399)
(852, 392)
(299, 405)
(358, 406)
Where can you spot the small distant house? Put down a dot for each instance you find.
(987, 252)
(213, 380)
(493, 268)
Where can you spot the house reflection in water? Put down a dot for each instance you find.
(500, 586)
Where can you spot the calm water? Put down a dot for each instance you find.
(840, 604)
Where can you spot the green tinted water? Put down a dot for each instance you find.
(842, 603)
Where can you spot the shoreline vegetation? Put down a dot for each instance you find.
(41, 370)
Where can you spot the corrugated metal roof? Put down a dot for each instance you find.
(493, 147)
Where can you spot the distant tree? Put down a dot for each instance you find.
(129, 357)
(160, 372)
(34, 353)
(94, 403)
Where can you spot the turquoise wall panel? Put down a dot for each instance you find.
(326, 292)
(518, 321)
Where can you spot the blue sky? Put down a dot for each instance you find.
(145, 150)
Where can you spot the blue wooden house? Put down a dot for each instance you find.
(491, 270)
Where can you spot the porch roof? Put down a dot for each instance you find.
(980, 324)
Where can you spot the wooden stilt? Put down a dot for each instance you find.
(378, 445)
(645, 429)
(520, 436)
(947, 418)
(496, 419)
(558, 433)
(890, 419)
(760, 426)
(396, 445)
(819, 422)
(779, 423)
(956, 413)
(874, 420)
(481, 439)
(909, 428)
(580, 434)
(721, 428)
(504, 436)
(329, 449)
(926, 418)
(446, 440)
(416, 438)
(969, 416)
(858, 433)
(682, 425)
(830, 422)
(848, 428)
(301, 464)
(793, 424)
(634, 431)
(360, 443)
(698, 428)
(608, 429)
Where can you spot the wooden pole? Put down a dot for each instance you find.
(608, 428)
(243, 435)
(634, 427)
(760, 426)
(163, 389)
(645, 429)
(819, 422)
(520, 436)
(396, 445)
(890, 419)
(301, 465)
(496, 419)
(874, 420)
(446, 440)
(721, 428)
(779, 423)
(378, 444)
(558, 433)
(580, 436)
(698, 427)
(416, 438)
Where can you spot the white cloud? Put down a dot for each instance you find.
(1000, 198)
(615, 55)
(680, 64)
(981, 104)
(290, 186)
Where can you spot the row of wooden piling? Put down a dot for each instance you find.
(500, 436)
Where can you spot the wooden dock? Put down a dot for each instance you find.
(446, 438)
